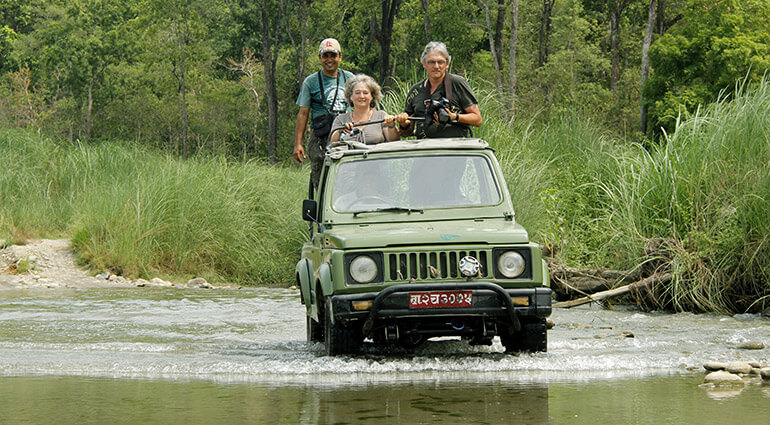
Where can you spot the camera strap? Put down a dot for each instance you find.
(448, 87)
(336, 92)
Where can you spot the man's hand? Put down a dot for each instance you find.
(299, 152)
(403, 120)
(299, 132)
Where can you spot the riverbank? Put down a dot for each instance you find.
(51, 263)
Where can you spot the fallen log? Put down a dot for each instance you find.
(599, 296)
(567, 281)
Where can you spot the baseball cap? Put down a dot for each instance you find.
(329, 45)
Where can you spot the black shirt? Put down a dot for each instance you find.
(462, 97)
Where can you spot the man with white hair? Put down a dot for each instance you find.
(448, 98)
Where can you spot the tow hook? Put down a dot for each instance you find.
(391, 333)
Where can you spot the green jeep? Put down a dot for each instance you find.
(416, 239)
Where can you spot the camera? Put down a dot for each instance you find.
(439, 107)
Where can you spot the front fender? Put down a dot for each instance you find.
(325, 276)
(546, 275)
(304, 272)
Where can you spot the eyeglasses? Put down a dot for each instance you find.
(436, 62)
(331, 55)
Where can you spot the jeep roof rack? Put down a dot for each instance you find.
(339, 149)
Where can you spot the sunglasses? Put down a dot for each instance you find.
(329, 55)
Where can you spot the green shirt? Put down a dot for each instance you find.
(310, 93)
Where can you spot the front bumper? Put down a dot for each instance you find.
(489, 301)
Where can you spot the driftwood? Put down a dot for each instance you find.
(568, 282)
(599, 296)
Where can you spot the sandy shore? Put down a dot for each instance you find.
(51, 263)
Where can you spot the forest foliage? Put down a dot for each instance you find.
(207, 75)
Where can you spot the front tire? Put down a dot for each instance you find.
(337, 339)
(531, 338)
(315, 331)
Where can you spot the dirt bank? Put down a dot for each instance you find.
(51, 263)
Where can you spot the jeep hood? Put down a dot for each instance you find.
(381, 235)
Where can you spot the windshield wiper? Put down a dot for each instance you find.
(390, 209)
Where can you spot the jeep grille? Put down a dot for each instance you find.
(431, 265)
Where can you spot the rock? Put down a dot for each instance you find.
(141, 283)
(714, 366)
(755, 364)
(198, 282)
(739, 368)
(159, 282)
(722, 377)
(765, 373)
(752, 345)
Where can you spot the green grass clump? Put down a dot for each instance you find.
(705, 188)
(142, 213)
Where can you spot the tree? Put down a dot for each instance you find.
(72, 49)
(180, 34)
(495, 36)
(383, 33)
(250, 68)
(545, 33)
(616, 8)
(263, 25)
(704, 54)
(426, 18)
(269, 39)
(512, 72)
(646, 61)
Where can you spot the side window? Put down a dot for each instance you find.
(478, 183)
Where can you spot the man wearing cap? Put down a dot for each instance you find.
(321, 98)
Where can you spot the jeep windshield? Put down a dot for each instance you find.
(414, 183)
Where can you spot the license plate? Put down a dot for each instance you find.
(438, 299)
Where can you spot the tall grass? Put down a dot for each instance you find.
(143, 214)
(702, 194)
(706, 188)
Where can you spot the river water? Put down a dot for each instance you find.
(152, 355)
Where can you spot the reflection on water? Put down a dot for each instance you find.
(674, 399)
(210, 356)
(70, 400)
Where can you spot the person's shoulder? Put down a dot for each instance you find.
(416, 87)
(347, 73)
(378, 114)
(343, 118)
(457, 79)
(310, 79)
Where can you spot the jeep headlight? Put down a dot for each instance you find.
(511, 264)
(363, 269)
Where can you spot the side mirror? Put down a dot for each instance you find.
(309, 210)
